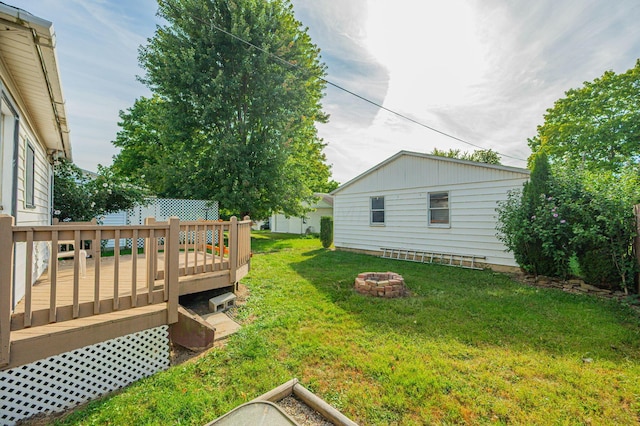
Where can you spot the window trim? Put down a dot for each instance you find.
(372, 211)
(432, 224)
(30, 176)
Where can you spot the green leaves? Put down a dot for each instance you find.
(592, 139)
(79, 196)
(584, 214)
(488, 156)
(595, 127)
(230, 121)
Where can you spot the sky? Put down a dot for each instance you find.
(483, 71)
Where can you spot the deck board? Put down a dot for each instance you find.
(86, 284)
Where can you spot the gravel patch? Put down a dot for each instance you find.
(301, 412)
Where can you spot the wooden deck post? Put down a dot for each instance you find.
(6, 282)
(172, 263)
(233, 248)
(150, 255)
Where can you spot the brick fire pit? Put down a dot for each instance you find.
(381, 284)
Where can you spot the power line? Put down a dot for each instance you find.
(337, 86)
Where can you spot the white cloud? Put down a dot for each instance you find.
(483, 71)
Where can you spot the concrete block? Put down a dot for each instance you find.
(222, 302)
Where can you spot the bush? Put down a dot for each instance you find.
(77, 196)
(598, 269)
(534, 227)
(583, 214)
(326, 231)
(608, 227)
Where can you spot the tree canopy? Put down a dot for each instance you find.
(596, 126)
(581, 205)
(237, 89)
(488, 156)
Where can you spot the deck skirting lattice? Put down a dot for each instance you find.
(60, 382)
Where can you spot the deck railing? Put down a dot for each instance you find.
(170, 250)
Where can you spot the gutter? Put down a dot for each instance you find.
(54, 107)
(23, 20)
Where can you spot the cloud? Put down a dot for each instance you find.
(482, 71)
(339, 30)
(97, 49)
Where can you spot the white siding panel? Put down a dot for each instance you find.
(117, 218)
(474, 193)
(40, 214)
(408, 171)
(295, 225)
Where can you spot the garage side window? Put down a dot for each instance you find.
(439, 209)
(377, 210)
(29, 180)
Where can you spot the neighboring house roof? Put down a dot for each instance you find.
(431, 157)
(328, 199)
(27, 51)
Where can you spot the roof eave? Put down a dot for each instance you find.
(53, 128)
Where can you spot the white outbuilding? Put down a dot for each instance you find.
(307, 224)
(424, 205)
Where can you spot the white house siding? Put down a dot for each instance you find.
(281, 224)
(115, 219)
(474, 191)
(313, 218)
(39, 214)
(30, 95)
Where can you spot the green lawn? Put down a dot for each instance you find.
(469, 347)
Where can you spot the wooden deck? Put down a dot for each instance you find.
(79, 303)
(128, 283)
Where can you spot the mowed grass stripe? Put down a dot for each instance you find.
(469, 347)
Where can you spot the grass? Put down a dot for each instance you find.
(469, 347)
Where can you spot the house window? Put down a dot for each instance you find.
(29, 180)
(377, 210)
(439, 209)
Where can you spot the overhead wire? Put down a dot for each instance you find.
(337, 86)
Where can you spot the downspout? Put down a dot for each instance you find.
(16, 157)
(54, 107)
(14, 204)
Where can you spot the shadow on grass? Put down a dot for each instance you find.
(476, 308)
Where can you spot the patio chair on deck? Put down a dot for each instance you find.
(66, 249)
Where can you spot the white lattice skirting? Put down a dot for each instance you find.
(63, 381)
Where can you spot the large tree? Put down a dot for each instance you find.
(595, 127)
(151, 148)
(237, 88)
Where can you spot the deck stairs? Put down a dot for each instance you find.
(468, 261)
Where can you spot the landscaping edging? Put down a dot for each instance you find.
(574, 286)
